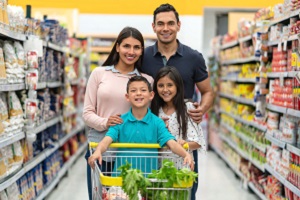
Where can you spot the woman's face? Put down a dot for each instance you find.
(166, 89)
(130, 50)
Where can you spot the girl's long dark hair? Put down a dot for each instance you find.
(178, 100)
(127, 32)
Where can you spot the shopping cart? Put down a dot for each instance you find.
(107, 185)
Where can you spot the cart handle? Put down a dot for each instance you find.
(134, 145)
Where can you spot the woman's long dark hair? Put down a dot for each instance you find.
(127, 32)
(178, 100)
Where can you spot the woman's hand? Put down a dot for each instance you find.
(95, 156)
(114, 120)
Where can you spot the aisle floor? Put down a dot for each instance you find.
(216, 182)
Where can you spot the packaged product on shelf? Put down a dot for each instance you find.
(23, 187)
(3, 195)
(16, 18)
(5, 13)
(32, 60)
(38, 179)
(18, 153)
(13, 192)
(3, 165)
(31, 79)
(2, 68)
(7, 152)
(30, 181)
(20, 52)
(15, 112)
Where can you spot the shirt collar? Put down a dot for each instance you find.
(179, 49)
(114, 70)
(146, 119)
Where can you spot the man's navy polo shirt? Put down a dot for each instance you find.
(189, 63)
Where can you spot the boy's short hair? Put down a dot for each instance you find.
(138, 78)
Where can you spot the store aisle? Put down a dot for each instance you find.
(217, 181)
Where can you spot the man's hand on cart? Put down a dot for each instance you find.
(94, 157)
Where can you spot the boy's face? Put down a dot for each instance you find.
(139, 95)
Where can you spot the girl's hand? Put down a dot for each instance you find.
(181, 142)
(114, 120)
(95, 156)
(189, 160)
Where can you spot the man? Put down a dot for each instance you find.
(190, 63)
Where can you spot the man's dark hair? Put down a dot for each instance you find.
(165, 8)
(138, 78)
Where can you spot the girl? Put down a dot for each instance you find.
(106, 88)
(168, 103)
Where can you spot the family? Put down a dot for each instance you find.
(141, 95)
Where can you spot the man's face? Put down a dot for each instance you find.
(139, 95)
(166, 27)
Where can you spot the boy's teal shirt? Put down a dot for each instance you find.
(151, 129)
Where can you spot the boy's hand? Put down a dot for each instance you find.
(95, 156)
(114, 120)
(197, 113)
(189, 160)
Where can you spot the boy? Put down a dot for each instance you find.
(140, 126)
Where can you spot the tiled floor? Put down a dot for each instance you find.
(217, 182)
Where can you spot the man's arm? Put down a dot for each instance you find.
(179, 150)
(101, 148)
(207, 96)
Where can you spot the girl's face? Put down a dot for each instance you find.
(166, 89)
(129, 51)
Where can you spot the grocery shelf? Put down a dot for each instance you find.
(12, 34)
(277, 108)
(229, 44)
(245, 39)
(48, 188)
(286, 16)
(238, 99)
(56, 47)
(229, 78)
(277, 74)
(42, 156)
(41, 85)
(276, 42)
(247, 80)
(69, 114)
(75, 82)
(257, 164)
(293, 149)
(275, 141)
(71, 134)
(12, 87)
(235, 169)
(54, 84)
(234, 146)
(241, 60)
(293, 112)
(285, 182)
(37, 129)
(53, 121)
(11, 139)
(12, 180)
(256, 191)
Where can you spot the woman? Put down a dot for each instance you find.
(106, 88)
